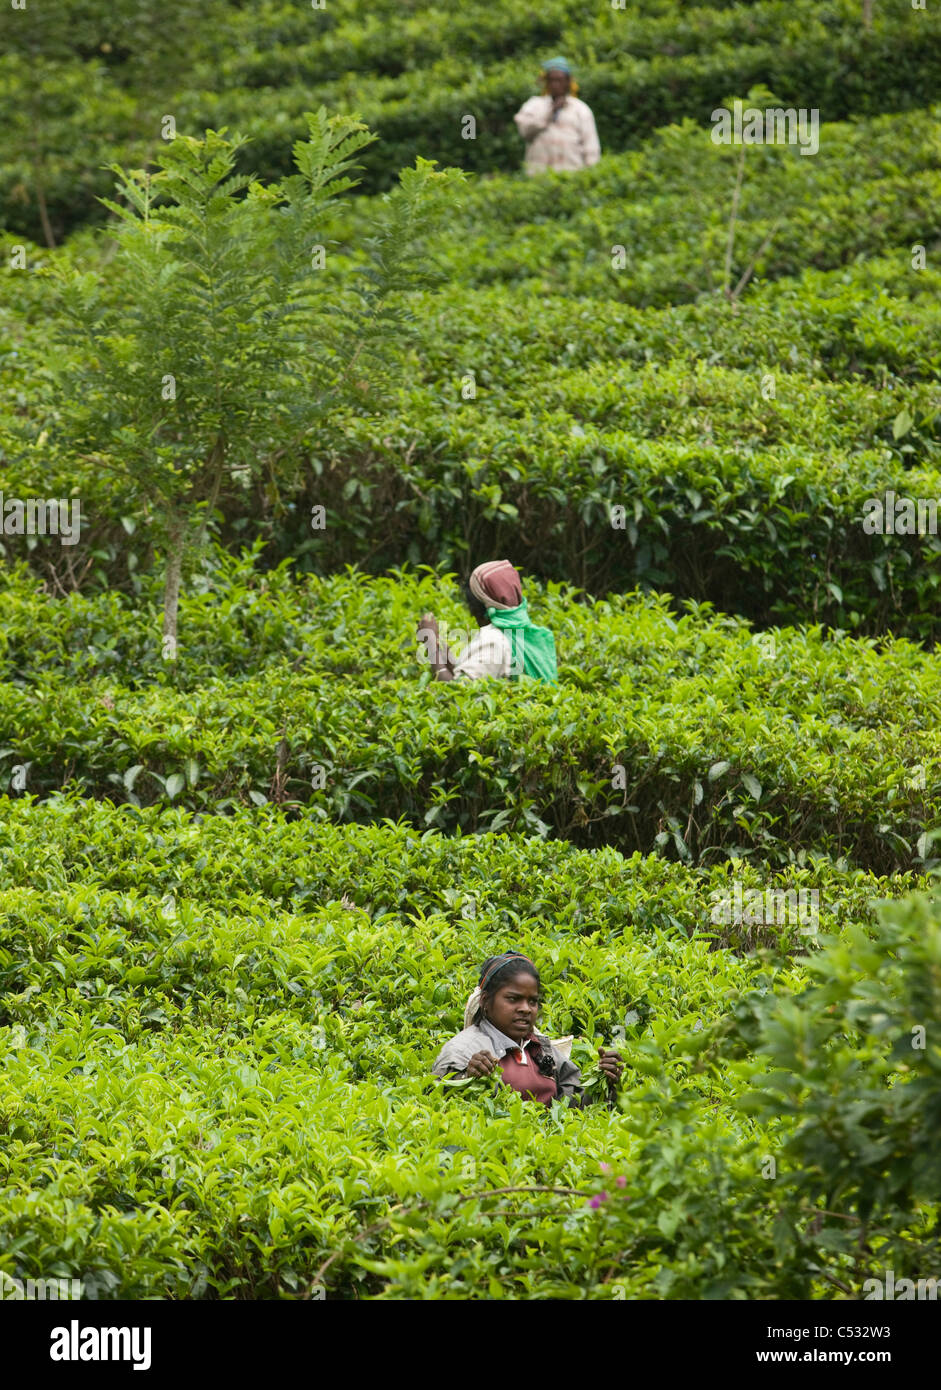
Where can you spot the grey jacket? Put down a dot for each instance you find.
(453, 1058)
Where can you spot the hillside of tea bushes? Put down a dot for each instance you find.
(222, 987)
(244, 895)
(731, 742)
(741, 439)
(412, 71)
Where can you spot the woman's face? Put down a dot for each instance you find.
(557, 83)
(514, 1008)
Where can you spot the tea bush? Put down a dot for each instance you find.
(230, 1102)
(870, 189)
(244, 896)
(259, 855)
(254, 69)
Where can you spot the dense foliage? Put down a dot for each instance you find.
(244, 893)
(741, 439)
(696, 735)
(230, 1099)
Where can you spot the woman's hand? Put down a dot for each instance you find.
(610, 1064)
(436, 652)
(481, 1064)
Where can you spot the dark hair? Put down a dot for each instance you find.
(478, 610)
(512, 969)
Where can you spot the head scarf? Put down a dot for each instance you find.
(557, 65)
(496, 584)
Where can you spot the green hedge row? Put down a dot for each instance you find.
(259, 857)
(810, 56)
(739, 756)
(392, 40)
(876, 320)
(871, 189)
(237, 959)
(767, 532)
(240, 619)
(760, 514)
(699, 779)
(218, 1103)
(816, 59)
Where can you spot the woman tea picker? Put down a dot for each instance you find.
(559, 130)
(500, 1038)
(507, 645)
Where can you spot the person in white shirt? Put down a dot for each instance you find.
(558, 128)
(508, 644)
(488, 653)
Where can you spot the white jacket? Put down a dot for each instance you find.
(488, 653)
(568, 142)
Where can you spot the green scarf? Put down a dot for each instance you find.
(533, 647)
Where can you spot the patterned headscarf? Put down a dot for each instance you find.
(497, 585)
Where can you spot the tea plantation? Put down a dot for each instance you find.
(251, 860)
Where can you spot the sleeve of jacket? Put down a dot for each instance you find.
(444, 1068)
(532, 117)
(591, 146)
(447, 1063)
(453, 1058)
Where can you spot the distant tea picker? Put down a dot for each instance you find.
(559, 130)
(508, 645)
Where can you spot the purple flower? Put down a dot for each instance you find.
(605, 1167)
(595, 1202)
(621, 1181)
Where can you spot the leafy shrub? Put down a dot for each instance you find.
(750, 760)
(175, 1123)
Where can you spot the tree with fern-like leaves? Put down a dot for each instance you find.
(219, 339)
